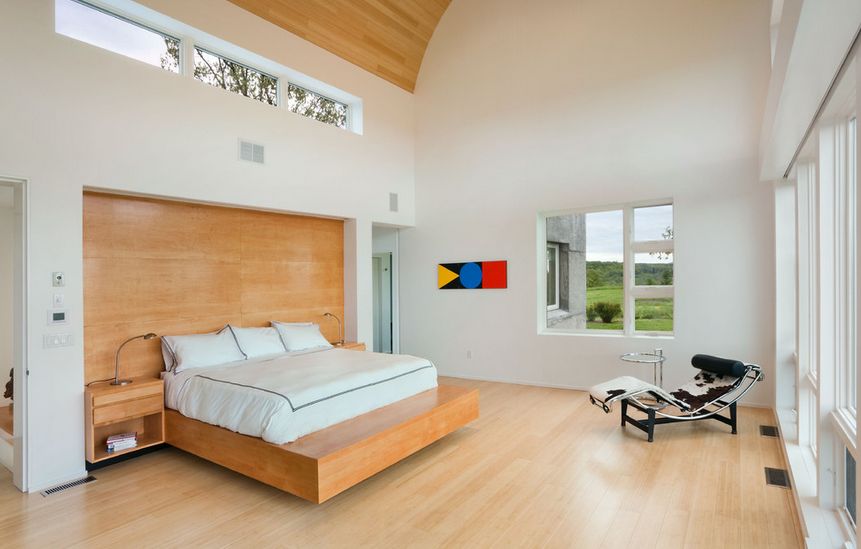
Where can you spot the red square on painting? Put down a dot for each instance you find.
(494, 274)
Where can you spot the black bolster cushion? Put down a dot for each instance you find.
(717, 365)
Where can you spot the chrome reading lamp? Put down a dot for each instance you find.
(340, 330)
(117, 380)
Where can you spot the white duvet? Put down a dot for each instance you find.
(283, 397)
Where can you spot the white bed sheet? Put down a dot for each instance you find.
(286, 396)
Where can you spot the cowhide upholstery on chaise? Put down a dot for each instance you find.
(704, 388)
(605, 394)
(718, 385)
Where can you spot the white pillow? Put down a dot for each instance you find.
(301, 336)
(256, 342)
(201, 350)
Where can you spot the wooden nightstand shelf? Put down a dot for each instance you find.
(111, 410)
(353, 346)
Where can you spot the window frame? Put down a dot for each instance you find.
(190, 39)
(555, 247)
(630, 290)
(286, 95)
(646, 291)
(847, 192)
(139, 24)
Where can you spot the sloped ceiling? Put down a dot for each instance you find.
(385, 37)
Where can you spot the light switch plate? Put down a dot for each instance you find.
(52, 341)
(59, 300)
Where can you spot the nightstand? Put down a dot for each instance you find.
(353, 346)
(112, 410)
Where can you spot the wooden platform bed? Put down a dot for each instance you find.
(323, 464)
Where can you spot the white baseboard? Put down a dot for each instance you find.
(512, 381)
(515, 381)
(62, 480)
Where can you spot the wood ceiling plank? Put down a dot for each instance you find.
(385, 37)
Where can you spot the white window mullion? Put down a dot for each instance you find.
(651, 292)
(186, 57)
(829, 168)
(553, 269)
(653, 246)
(628, 271)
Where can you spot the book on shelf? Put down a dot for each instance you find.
(121, 446)
(122, 437)
(123, 441)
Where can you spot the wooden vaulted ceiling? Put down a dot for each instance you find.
(385, 37)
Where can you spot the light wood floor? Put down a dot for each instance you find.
(542, 467)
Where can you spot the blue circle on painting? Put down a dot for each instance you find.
(470, 275)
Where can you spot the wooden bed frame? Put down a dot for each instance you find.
(242, 271)
(323, 464)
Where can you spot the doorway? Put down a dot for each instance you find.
(13, 278)
(382, 274)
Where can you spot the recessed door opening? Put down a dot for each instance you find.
(382, 269)
(12, 327)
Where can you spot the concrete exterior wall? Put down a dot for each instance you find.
(569, 231)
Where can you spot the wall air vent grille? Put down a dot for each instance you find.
(393, 202)
(60, 488)
(251, 152)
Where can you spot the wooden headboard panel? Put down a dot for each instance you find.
(178, 268)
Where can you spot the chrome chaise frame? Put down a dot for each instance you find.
(710, 410)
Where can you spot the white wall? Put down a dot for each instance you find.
(7, 218)
(525, 107)
(81, 116)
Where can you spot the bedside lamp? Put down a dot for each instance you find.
(117, 380)
(340, 329)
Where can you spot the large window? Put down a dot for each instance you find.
(241, 74)
(822, 438)
(597, 278)
(120, 35)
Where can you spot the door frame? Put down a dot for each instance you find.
(21, 204)
(376, 301)
(385, 261)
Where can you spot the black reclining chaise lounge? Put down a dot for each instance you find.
(718, 385)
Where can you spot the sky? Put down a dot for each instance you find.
(604, 232)
(99, 29)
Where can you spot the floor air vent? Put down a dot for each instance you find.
(776, 477)
(60, 488)
(768, 430)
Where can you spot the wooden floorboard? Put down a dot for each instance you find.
(540, 468)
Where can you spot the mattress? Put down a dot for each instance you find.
(280, 398)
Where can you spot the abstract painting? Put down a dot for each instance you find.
(472, 275)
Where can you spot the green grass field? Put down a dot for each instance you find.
(652, 315)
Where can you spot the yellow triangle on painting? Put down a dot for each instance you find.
(444, 276)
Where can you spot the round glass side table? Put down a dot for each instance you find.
(656, 358)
